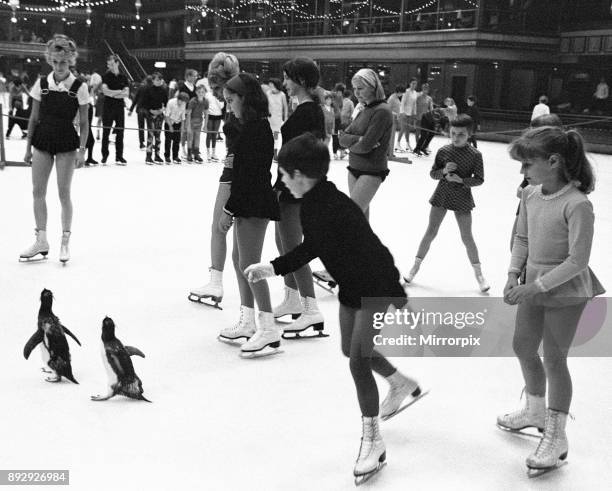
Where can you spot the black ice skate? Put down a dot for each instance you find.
(325, 281)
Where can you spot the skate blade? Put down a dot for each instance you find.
(533, 472)
(317, 333)
(33, 259)
(326, 286)
(234, 342)
(267, 351)
(406, 406)
(522, 432)
(359, 480)
(214, 301)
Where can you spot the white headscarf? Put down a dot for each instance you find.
(369, 77)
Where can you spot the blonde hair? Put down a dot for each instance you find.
(62, 47)
(222, 67)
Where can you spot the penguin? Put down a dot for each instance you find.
(51, 336)
(122, 378)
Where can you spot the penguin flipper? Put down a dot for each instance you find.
(34, 341)
(67, 331)
(134, 351)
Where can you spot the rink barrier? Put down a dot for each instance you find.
(503, 136)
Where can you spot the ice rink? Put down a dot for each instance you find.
(290, 422)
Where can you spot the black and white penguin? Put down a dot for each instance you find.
(50, 335)
(122, 378)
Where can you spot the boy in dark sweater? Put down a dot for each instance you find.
(153, 101)
(336, 230)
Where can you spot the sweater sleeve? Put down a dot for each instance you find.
(438, 166)
(296, 258)
(520, 243)
(477, 177)
(378, 125)
(251, 161)
(580, 223)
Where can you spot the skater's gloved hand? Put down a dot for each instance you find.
(259, 271)
(225, 222)
(520, 293)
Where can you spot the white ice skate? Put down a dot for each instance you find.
(242, 330)
(532, 415)
(414, 270)
(40, 247)
(212, 291)
(403, 393)
(266, 339)
(553, 447)
(311, 317)
(291, 305)
(372, 453)
(325, 280)
(64, 256)
(482, 283)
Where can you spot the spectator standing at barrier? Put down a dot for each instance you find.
(473, 112)
(188, 87)
(407, 115)
(424, 104)
(154, 100)
(345, 116)
(601, 95)
(277, 105)
(395, 101)
(3, 92)
(215, 114)
(115, 88)
(431, 122)
(541, 108)
(197, 116)
(141, 113)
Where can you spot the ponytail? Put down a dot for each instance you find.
(577, 166)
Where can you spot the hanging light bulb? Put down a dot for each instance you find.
(14, 4)
(138, 5)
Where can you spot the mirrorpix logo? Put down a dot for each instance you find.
(437, 328)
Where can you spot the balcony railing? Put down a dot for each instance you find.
(451, 19)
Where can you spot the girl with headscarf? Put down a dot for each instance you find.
(367, 139)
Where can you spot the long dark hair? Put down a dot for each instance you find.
(544, 141)
(255, 104)
(305, 72)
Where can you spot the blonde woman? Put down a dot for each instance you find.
(52, 138)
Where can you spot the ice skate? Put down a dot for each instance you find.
(532, 415)
(372, 453)
(39, 248)
(403, 393)
(212, 291)
(325, 280)
(266, 339)
(310, 318)
(553, 447)
(242, 330)
(64, 256)
(414, 270)
(291, 305)
(482, 283)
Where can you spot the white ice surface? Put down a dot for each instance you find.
(140, 241)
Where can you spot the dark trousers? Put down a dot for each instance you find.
(12, 121)
(173, 140)
(141, 116)
(154, 129)
(425, 136)
(90, 139)
(113, 114)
